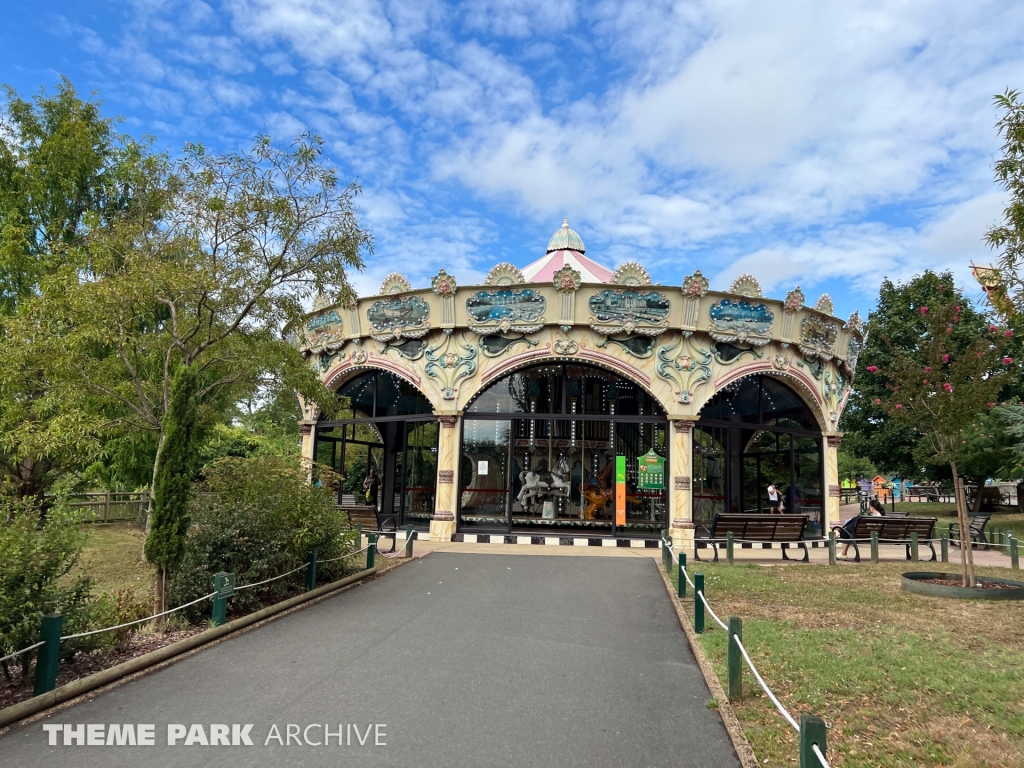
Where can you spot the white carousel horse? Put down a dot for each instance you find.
(537, 485)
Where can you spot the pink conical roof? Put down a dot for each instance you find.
(566, 247)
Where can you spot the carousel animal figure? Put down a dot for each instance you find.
(538, 486)
(597, 497)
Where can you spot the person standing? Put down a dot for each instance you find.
(773, 499)
(370, 486)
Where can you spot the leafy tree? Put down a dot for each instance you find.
(938, 389)
(63, 171)
(1008, 237)
(894, 329)
(172, 489)
(853, 467)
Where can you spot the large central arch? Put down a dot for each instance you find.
(538, 450)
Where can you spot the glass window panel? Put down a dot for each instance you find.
(807, 480)
(484, 474)
(783, 407)
(709, 466)
(419, 472)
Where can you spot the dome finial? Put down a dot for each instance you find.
(566, 240)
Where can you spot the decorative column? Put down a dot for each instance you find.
(831, 483)
(442, 526)
(681, 492)
(306, 428)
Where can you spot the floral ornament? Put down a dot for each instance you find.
(854, 324)
(795, 300)
(695, 285)
(449, 362)
(567, 279)
(443, 284)
(686, 366)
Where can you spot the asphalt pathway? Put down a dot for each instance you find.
(462, 659)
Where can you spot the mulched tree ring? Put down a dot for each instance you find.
(950, 585)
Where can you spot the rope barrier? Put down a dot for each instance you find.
(713, 614)
(764, 686)
(23, 650)
(137, 621)
(821, 757)
(272, 578)
(342, 557)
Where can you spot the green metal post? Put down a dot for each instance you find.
(735, 659)
(410, 532)
(681, 574)
(371, 548)
(1014, 556)
(48, 655)
(728, 547)
(311, 571)
(913, 546)
(812, 731)
(698, 604)
(664, 554)
(832, 547)
(945, 547)
(220, 598)
(874, 546)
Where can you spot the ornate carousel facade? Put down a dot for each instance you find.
(511, 407)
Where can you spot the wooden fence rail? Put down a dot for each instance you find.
(110, 506)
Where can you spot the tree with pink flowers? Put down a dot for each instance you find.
(939, 390)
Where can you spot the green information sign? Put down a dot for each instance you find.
(651, 471)
(620, 469)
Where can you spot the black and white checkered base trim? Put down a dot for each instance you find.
(552, 541)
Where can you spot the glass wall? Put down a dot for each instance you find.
(757, 432)
(383, 447)
(539, 449)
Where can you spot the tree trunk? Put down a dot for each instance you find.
(978, 494)
(152, 482)
(966, 552)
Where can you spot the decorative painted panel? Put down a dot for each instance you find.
(627, 311)
(397, 317)
(496, 344)
(741, 320)
(324, 331)
(506, 307)
(818, 337)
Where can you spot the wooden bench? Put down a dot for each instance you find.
(975, 531)
(926, 492)
(371, 521)
(787, 529)
(890, 530)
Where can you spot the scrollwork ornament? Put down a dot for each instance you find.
(449, 362)
(686, 366)
(695, 285)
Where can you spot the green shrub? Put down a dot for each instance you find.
(37, 554)
(256, 517)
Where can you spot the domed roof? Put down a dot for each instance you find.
(566, 240)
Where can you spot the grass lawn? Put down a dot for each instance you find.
(903, 679)
(946, 513)
(113, 558)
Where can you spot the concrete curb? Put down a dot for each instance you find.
(161, 656)
(729, 719)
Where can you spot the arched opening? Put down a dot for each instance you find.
(385, 425)
(539, 450)
(753, 433)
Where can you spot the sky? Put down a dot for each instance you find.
(822, 144)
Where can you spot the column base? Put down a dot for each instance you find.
(683, 535)
(441, 529)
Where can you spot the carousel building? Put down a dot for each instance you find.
(497, 411)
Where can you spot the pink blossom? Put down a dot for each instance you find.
(949, 329)
(945, 358)
(872, 369)
(957, 310)
(1007, 360)
(925, 381)
(927, 369)
(899, 406)
(992, 328)
(1008, 334)
(991, 405)
(878, 401)
(948, 387)
(924, 310)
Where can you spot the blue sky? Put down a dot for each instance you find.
(820, 144)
